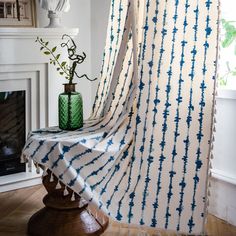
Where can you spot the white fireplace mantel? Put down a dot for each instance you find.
(23, 33)
(24, 67)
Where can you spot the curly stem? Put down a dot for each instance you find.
(84, 75)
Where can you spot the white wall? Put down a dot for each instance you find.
(91, 17)
(223, 190)
(79, 16)
(99, 21)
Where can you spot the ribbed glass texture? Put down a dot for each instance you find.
(70, 106)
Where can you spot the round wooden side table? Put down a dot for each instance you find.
(63, 217)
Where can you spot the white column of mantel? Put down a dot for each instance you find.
(18, 47)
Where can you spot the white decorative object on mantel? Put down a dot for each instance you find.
(23, 67)
(55, 8)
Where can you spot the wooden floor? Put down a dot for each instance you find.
(16, 207)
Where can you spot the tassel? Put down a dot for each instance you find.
(213, 138)
(214, 128)
(51, 178)
(209, 193)
(65, 192)
(37, 168)
(212, 146)
(210, 165)
(215, 121)
(30, 165)
(45, 172)
(81, 203)
(208, 203)
(212, 156)
(22, 158)
(73, 197)
(58, 186)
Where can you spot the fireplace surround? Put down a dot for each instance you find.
(25, 70)
(12, 131)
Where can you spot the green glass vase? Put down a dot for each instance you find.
(70, 107)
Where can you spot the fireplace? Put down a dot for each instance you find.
(28, 98)
(12, 131)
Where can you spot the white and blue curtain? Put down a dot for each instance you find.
(142, 157)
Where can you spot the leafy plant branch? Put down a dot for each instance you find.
(230, 33)
(55, 60)
(228, 40)
(63, 67)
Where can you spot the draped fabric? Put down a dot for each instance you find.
(142, 156)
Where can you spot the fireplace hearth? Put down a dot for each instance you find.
(12, 131)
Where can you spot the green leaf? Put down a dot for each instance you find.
(47, 53)
(46, 43)
(54, 63)
(61, 73)
(41, 48)
(63, 63)
(234, 73)
(54, 49)
(57, 56)
(230, 33)
(58, 68)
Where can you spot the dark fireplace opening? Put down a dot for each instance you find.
(12, 131)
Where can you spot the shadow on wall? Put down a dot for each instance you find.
(99, 20)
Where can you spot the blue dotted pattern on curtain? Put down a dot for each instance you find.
(142, 157)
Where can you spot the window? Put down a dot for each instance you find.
(227, 63)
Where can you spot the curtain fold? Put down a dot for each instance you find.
(142, 157)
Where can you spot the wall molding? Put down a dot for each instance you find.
(31, 33)
(226, 94)
(223, 176)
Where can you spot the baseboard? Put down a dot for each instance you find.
(20, 180)
(222, 199)
(22, 184)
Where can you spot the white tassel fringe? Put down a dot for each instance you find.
(73, 197)
(51, 178)
(65, 192)
(58, 186)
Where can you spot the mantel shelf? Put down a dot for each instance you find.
(28, 33)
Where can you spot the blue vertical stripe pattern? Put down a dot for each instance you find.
(142, 156)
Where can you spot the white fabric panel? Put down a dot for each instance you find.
(142, 157)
